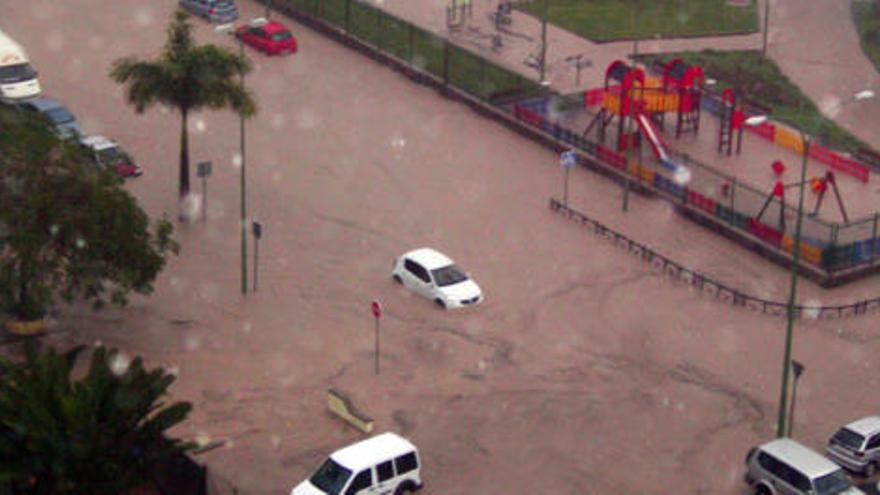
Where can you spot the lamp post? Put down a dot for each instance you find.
(230, 30)
(544, 40)
(766, 27)
(796, 254)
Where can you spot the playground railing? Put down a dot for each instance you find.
(830, 247)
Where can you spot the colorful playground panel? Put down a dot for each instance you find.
(823, 243)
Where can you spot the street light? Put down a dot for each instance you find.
(796, 254)
(230, 30)
(544, 40)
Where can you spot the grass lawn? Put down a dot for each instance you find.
(607, 20)
(761, 81)
(866, 16)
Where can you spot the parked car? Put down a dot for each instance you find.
(107, 154)
(213, 10)
(386, 463)
(785, 467)
(270, 37)
(856, 446)
(61, 119)
(433, 275)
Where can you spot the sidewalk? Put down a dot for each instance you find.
(522, 41)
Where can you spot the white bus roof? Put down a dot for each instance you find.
(368, 452)
(10, 51)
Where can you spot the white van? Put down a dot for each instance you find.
(17, 78)
(382, 465)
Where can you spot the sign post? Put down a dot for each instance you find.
(376, 308)
(567, 159)
(257, 229)
(204, 170)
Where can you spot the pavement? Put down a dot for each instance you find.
(584, 370)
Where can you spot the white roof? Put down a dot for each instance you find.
(98, 142)
(10, 51)
(372, 451)
(429, 258)
(807, 461)
(865, 426)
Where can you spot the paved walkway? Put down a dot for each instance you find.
(827, 67)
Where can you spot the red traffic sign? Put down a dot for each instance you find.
(376, 308)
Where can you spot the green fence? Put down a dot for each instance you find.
(418, 48)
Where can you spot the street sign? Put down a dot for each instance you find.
(203, 169)
(376, 308)
(568, 159)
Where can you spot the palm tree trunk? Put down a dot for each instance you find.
(184, 155)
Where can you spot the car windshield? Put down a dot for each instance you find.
(112, 156)
(16, 73)
(848, 438)
(59, 115)
(448, 275)
(832, 484)
(280, 36)
(330, 477)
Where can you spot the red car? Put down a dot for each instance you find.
(271, 37)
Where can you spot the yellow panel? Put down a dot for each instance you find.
(788, 139)
(647, 175)
(633, 167)
(811, 254)
(787, 243)
(611, 102)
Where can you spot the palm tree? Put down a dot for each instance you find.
(187, 77)
(102, 434)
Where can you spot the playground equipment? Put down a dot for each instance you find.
(646, 100)
(732, 122)
(457, 14)
(818, 185)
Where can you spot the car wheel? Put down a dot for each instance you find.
(405, 487)
(870, 470)
(762, 490)
(439, 302)
(397, 278)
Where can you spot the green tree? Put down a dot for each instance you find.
(188, 77)
(100, 435)
(68, 228)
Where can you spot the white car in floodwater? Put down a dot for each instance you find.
(433, 275)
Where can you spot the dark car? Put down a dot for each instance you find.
(63, 122)
(212, 10)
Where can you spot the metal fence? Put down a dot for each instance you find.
(414, 46)
(708, 285)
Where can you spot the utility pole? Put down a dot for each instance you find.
(544, 40)
(766, 27)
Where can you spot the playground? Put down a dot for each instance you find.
(666, 126)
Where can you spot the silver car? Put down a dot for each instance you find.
(785, 467)
(220, 11)
(856, 446)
